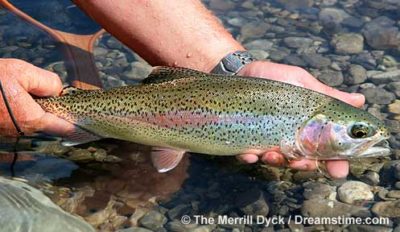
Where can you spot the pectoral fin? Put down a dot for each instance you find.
(79, 136)
(165, 159)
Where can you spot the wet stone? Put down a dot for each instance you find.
(381, 33)
(394, 125)
(385, 77)
(357, 75)
(387, 208)
(259, 54)
(369, 228)
(135, 229)
(153, 220)
(277, 55)
(253, 30)
(348, 43)
(395, 107)
(113, 43)
(378, 96)
(178, 211)
(316, 60)
(223, 5)
(330, 77)
(394, 87)
(137, 71)
(370, 178)
(313, 190)
(297, 42)
(393, 194)
(354, 191)
(364, 59)
(252, 202)
(260, 44)
(329, 208)
(294, 60)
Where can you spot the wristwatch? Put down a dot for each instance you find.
(232, 63)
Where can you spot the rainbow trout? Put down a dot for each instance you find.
(180, 110)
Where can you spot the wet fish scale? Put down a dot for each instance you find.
(197, 112)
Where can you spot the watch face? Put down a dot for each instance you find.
(233, 62)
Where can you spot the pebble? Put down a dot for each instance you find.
(331, 78)
(252, 202)
(394, 87)
(178, 211)
(385, 77)
(315, 60)
(259, 54)
(153, 220)
(137, 71)
(370, 178)
(331, 18)
(387, 208)
(260, 44)
(134, 229)
(368, 228)
(294, 60)
(378, 96)
(329, 208)
(380, 33)
(297, 42)
(223, 5)
(354, 191)
(253, 30)
(357, 75)
(395, 107)
(348, 43)
(393, 194)
(364, 59)
(313, 190)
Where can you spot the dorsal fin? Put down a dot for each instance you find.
(70, 90)
(162, 74)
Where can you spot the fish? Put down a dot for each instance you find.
(179, 110)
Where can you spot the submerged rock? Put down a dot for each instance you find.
(329, 208)
(348, 43)
(378, 96)
(358, 74)
(354, 191)
(24, 208)
(387, 208)
(381, 33)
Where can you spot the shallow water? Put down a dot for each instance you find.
(112, 184)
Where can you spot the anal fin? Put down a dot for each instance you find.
(79, 136)
(166, 159)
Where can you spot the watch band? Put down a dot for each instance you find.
(232, 63)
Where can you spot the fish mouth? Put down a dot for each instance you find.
(381, 148)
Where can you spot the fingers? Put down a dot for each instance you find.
(247, 158)
(354, 99)
(34, 80)
(337, 168)
(54, 125)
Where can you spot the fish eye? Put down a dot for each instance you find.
(360, 131)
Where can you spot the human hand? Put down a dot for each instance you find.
(19, 80)
(300, 77)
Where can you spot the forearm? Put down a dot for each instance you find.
(174, 33)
